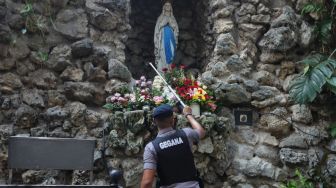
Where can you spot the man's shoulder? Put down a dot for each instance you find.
(188, 130)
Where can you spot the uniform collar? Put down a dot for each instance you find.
(165, 130)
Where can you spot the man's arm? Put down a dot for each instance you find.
(194, 124)
(148, 178)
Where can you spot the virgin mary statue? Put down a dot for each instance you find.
(165, 37)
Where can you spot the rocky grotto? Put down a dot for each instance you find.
(54, 79)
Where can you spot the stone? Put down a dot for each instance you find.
(101, 17)
(241, 151)
(287, 68)
(92, 118)
(135, 120)
(232, 93)
(225, 45)
(252, 32)
(244, 185)
(55, 98)
(134, 144)
(25, 67)
(279, 39)
(223, 26)
(286, 18)
(59, 133)
(19, 50)
(245, 9)
(251, 85)
(43, 79)
(132, 170)
(293, 141)
(72, 23)
(72, 74)
(293, 156)
(307, 34)
(5, 34)
(279, 99)
(56, 113)
(274, 121)
(301, 113)
(235, 64)
(267, 152)
(77, 112)
(265, 92)
(266, 78)
(331, 165)
(313, 135)
(114, 85)
(7, 64)
(315, 156)
(261, 19)
(271, 57)
(25, 116)
(59, 58)
(92, 93)
(118, 70)
(9, 82)
(332, 145)
(258, 167)
(218, 69)
(33, 97)
(82, 48)
(6, 130)
(288, 80)
(205, 146)
(37, 176)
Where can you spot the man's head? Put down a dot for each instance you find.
(163, 116)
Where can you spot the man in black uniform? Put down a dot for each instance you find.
(170, 155)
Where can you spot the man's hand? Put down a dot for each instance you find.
(187, 110)
(195, 125)
(148, 178)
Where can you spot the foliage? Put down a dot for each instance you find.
(33, 22)
(332, 129)
(43, 56)
(323, 12)
(189, 89)
(300, 182)
(318, 72)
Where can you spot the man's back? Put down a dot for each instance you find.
(170, 154)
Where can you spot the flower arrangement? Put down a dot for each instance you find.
(189, 89)
(148, 93)
(142, 95)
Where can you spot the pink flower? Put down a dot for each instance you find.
(143, 92)
(127, 95)
(143, 78)
(158, 100)
(117, 94)
(113, 99)
(137, 82)
(149, 83)
(143, 84)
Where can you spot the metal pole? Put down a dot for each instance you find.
(171, 89)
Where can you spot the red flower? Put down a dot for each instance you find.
(212, 106)
(172, 66)
(182, 67)
(165, 69)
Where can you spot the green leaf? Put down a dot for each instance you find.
(332, 81)
(313, 60)
(306, 69)
(108, 106)
(332, 129)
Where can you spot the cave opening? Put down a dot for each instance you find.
(191, 18)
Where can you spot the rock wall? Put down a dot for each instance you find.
(60, 59)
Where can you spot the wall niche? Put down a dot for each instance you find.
(191, 18)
